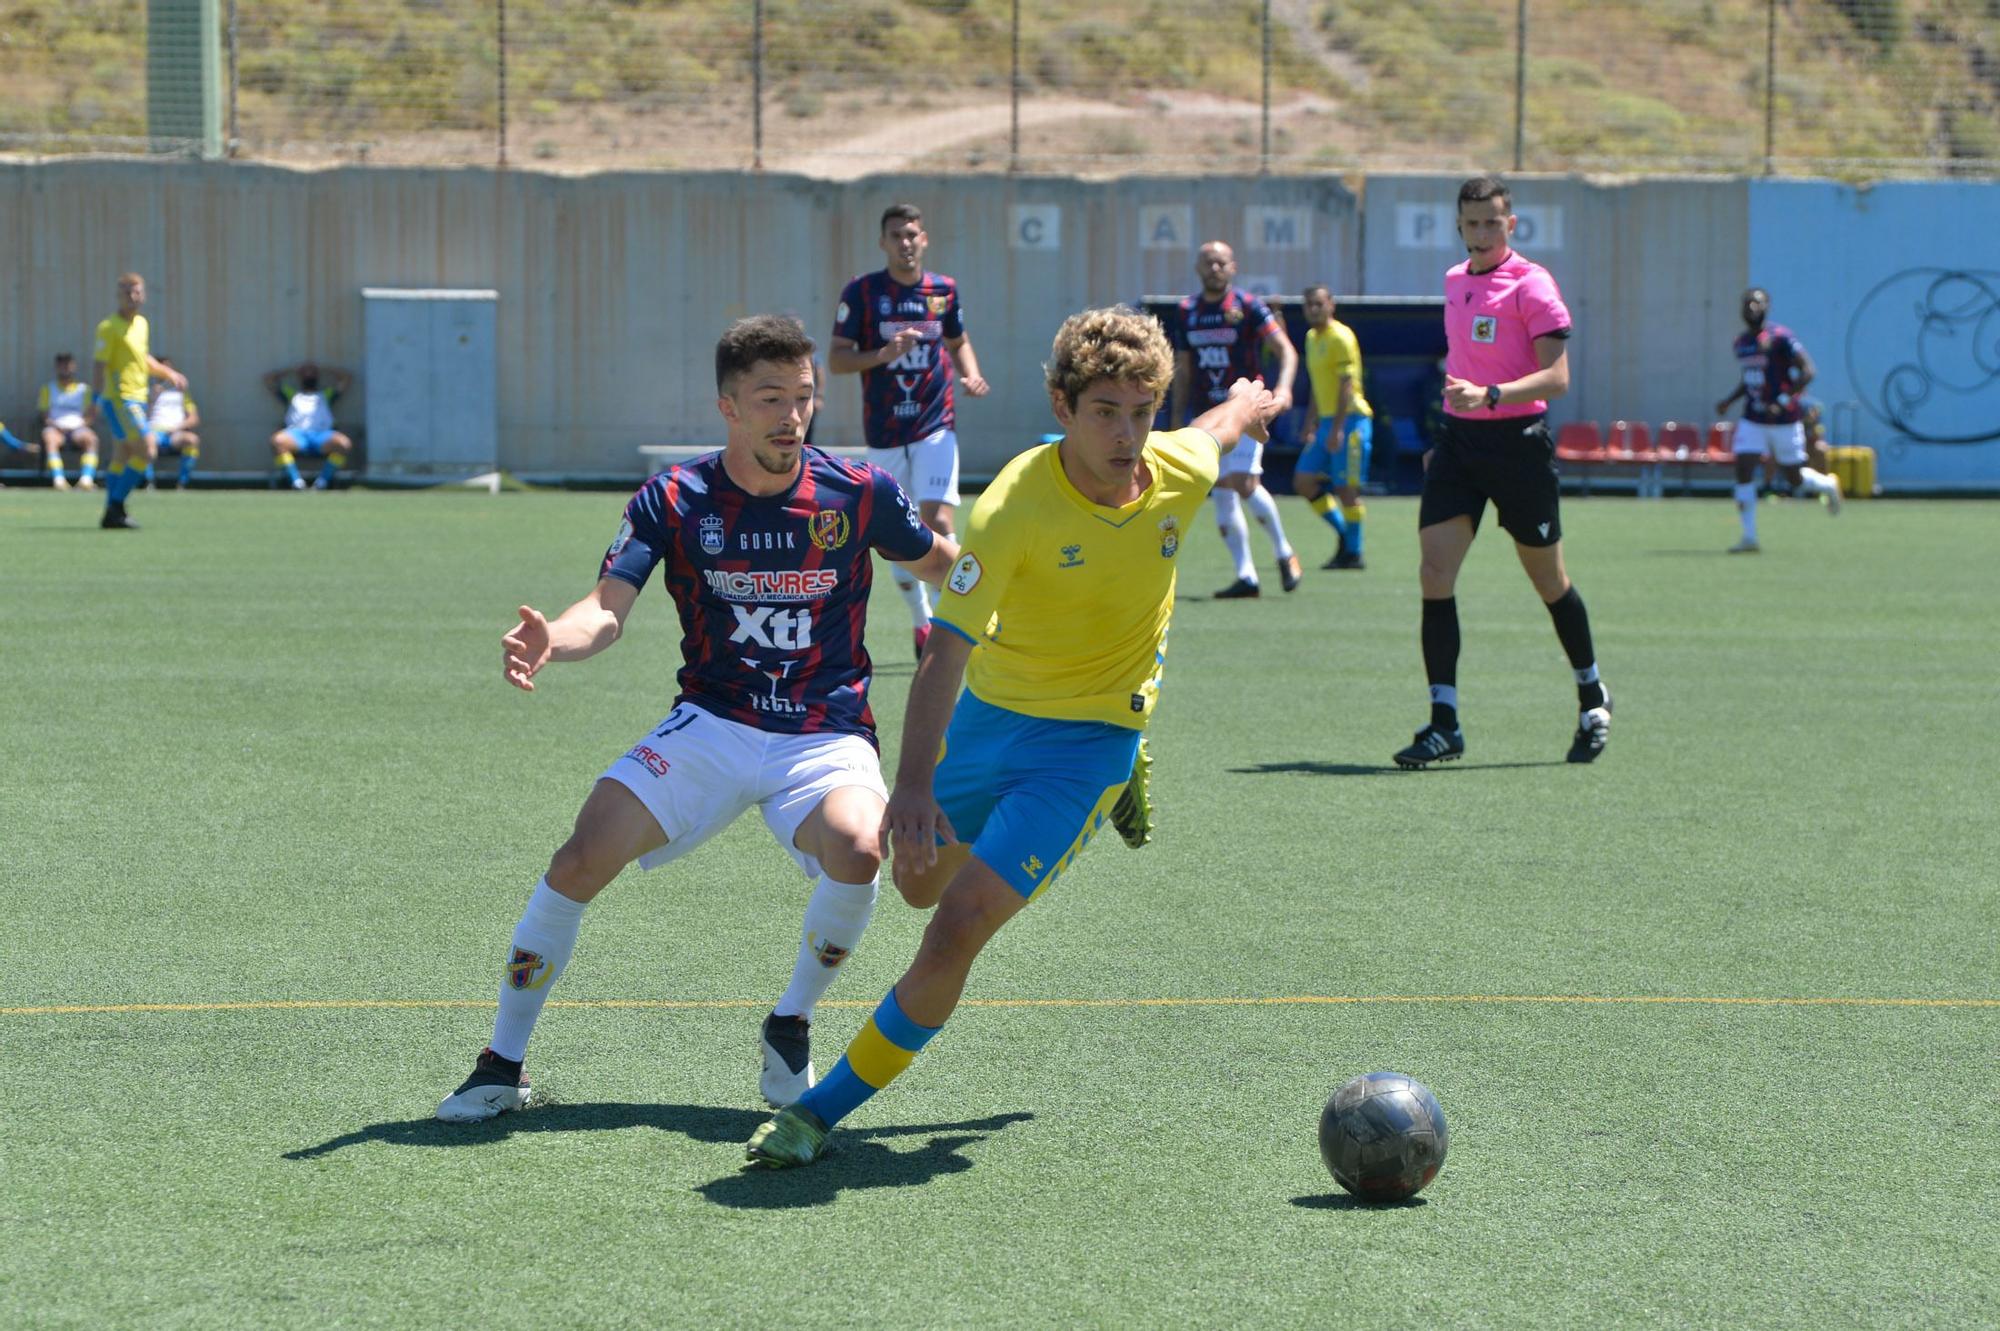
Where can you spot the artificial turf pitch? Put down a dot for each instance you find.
(1715, 1021)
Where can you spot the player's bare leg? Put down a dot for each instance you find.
(974, 906)
(842, 835)
(52, 445)
(612, 829)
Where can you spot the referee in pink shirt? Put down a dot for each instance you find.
(1507, 337)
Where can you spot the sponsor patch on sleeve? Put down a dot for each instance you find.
(621, 540)
(840, 315)
(965, 574)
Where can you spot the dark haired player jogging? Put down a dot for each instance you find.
(1507, 337)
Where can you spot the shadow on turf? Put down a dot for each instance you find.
(1377, 769)
(858, 1158)
(1341, 1201)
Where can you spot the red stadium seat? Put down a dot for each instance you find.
(1681, 443)
(1579, 444)
(1631, 441)
(1720, 436)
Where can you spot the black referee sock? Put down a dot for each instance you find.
(1573, 627)
(1440, 634)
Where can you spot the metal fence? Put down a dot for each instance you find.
(843, 88)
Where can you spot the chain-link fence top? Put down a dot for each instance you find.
(847, 87)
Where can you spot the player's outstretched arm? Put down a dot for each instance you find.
(582, 631)
(933, 567)
(1247, 410)
(913, 822)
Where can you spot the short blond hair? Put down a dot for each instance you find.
(1118, 343)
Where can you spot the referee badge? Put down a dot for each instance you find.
(1485, 328)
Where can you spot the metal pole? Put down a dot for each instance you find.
(229, 148)
(1264, 155)
(1770, 87)
(1014, 96)
(757, 86)
(503, 83)
(1520, 81)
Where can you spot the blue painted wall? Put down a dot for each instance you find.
(1895, 290)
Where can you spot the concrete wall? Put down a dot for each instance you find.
(1895, 290)
(613, 287)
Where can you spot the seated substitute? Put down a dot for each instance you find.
(66, 414)
(308, 392)
(170, 424)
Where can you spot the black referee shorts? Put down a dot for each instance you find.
(1511, 461)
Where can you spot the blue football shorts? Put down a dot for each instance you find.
(1026, 793)
(1351, 468)
(309, 442)
(124, 419)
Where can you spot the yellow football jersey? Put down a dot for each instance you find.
(1068, 600)
(1330, 357)
(122, 344)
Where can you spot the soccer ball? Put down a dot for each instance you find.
(1383, 1136)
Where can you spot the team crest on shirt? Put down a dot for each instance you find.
(1170, 537)
(938, 305)
(1234, 314)
(711, 533)
(527, 970)
(830, 528)
(1485, 328)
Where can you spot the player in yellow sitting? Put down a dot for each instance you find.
(1342, 426)
(1058, 604)
(124, 371)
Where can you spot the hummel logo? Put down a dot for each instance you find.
(1032, 866)
(1072, 556)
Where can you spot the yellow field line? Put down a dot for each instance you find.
(1292, 1000)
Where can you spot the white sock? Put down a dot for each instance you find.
(1746, 508)
(1265, 510)
(543, 941)
(836, 917)
(1816, 482)
(915, 595)
(1235, 532)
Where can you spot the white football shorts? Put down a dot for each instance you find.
(1247, 458)
(1786, 443)
(927, 470)
(696, 772)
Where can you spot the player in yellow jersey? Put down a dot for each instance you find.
(1055, 615)
(1342, 426)
(124, 371)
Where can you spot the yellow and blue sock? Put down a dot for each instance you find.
(290, 466)
(89, 467)
(1328, 507)
(119, 482)
(885, 1046)
(188, 456)
(1355, 512)
(334, 462)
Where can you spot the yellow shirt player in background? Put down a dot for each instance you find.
(1342, 426)
(1058, 605)
(123, 372)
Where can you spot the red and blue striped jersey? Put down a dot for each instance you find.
(772, 589)
(1769, 360)
(1226, 339)
(909, 399)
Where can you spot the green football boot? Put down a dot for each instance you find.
(1132, 815)
(794, 1136)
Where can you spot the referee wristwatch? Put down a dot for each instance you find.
(1492, 396)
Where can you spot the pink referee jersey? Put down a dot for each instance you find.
(1491, 321)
